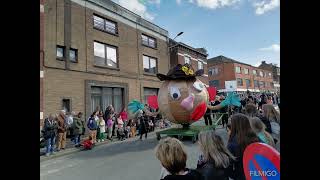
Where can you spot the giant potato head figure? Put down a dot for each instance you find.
(182, 97)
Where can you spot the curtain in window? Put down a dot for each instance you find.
(117, 99)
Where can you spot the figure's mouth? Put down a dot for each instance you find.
(199, 111)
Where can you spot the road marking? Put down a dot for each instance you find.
(51, 171)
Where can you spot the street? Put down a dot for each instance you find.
(133, 160)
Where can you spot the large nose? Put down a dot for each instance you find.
(187, 103)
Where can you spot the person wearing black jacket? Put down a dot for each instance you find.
(50, 133)
(207, 115)
(143, 124)
(215, 160)
(241, 136)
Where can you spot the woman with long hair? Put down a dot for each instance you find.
(215, 159)
(241, 136)
(259, 128)
(272, 116)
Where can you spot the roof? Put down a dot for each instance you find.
(223, 59)
(202, 51)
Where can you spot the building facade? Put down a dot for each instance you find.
(275, 73)
(181, 53)
(98, 53)
(254, 79)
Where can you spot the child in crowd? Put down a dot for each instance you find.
(109, 126)
(151, 126)
(161, 124)
(102, 127)
(87, 144)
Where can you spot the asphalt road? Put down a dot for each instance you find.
(134, 160)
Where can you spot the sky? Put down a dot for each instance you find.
(244, 30)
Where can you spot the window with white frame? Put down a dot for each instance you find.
(187, 60)
(238, 69)
(261, 73)
(246, 71)
(200, 65)
(254, 72)
(150, 64)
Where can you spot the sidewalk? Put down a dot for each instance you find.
(71, 149)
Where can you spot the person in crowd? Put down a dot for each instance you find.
(80, 116)
(62, 131)
(259, 128)
(133, 128)
(263, 100)
(77, 126)
(87, 144)
(97, 119)
(173, 157)
(229, 129)
(240, 137)
(69, 123)
(109, 126)
(102, 128)
(143, 124)
(269, 100)
(161, 124)
(207, 115)
(151, 126)
(50, 132)
(120, 128)
(270, 114)
(109, 111)
(251, 110)
(92, 126)
(124, 116)
(215, 159)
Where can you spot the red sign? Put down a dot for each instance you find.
(212, 93)
(153, 101)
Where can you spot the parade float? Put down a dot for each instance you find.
(183, 99)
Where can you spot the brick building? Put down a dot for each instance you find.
(181, 53)
(248, 77)
(98, 53)
(275, 73)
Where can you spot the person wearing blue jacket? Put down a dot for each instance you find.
(92, 126)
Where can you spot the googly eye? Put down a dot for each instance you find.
(198, 86)
(175, 93)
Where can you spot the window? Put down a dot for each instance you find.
(262, 84)
(149, 92)
(214, 83)
(270, 74)
(187, 59)
(105, 55)
(149, 64)
(254, 72)
(101, 97)
(60, 52)
(148, 41)
(238, 69)
(248, 83)
(105, 25)
(272, 85)
(261, 73)
(200, 65)
(73, 54)
(256, 83)
(213, 71)
(239, 82)
(66, 105)
(246, 71)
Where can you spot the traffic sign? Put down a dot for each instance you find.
(261, 162)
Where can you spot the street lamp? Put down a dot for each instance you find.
(180, 33)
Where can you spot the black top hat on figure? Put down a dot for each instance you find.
(181, 72)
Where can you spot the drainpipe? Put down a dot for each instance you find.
(67, 31)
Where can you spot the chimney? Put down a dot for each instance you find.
(263, 62)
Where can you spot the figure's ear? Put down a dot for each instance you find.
(161, 77)
(200, 72)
